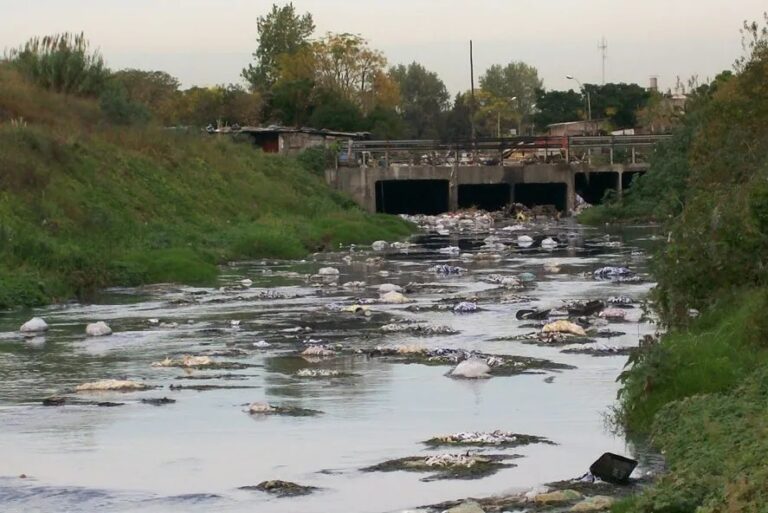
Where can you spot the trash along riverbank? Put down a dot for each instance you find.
(477, 359)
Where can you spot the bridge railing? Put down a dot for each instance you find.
(628, 149)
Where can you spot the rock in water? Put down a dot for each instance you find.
(34, 325)
(564, 327)
(380, 245)
(246, 282)
(595, 503)
(467, 507)
(473, 368)
(557, 497)
(328, 271)
(98, 329)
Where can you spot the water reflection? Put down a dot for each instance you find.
(193, 454)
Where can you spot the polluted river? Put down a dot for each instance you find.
(361, 374)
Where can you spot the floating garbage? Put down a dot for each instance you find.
(351, 285)
(117, 385)
(281, 488)
(246, 282)
(620, 301)
(450, 250)
(263, 408)
(447, 270)
(34, 325)
(579, 308)
(613, 314)
(317, 373)
(262, 344)
(446, 466)
(389, 287)
(538, 315)
(620, 274)
(98, 329)
(527, 277)
(496, 438)
(472, 368)
(318, 351)
(465, 307)
(549, 243)
(395, 298)
(613, 468)
(525, 241)
(380, 245)
(563, 326)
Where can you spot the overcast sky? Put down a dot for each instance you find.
(206, 42)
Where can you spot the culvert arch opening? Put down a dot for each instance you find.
(412, 196)
(540, 194)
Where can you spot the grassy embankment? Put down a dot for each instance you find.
(701, 393)
(86, 204)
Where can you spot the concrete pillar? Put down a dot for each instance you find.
(453, 189)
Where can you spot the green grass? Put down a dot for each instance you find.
(713, 355)
(85, 204)
(716, 452)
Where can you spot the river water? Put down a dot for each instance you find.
(194, 454)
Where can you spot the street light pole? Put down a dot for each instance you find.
(586, 94)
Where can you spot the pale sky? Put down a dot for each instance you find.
(207, 42)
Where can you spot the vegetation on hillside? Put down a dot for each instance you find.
(700, 392)
(86, 202)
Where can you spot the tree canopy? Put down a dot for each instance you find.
(280, 32)
(423, 100)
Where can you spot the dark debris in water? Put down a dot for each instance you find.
(282, 488)
(599, 351)
(64, 400)
(158, 401)
(203, 388)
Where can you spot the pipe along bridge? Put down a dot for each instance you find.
(431, 177)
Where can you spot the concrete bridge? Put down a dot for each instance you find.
(431, 177)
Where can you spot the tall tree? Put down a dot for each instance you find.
(282, 31)
(157, 90)
(423, 99)
(458, 124)
(619, 103)
(345, 64)
(501, 84)
(558, 107)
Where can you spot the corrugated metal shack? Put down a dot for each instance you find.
(290, 141)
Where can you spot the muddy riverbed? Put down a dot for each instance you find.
(374, 387)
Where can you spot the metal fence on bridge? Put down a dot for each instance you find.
(627, 149)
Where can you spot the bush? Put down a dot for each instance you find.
(119, 109)
(62, 63)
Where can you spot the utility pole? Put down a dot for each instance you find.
(602, 45)
(472, 94)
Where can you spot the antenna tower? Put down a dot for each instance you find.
(602, 45)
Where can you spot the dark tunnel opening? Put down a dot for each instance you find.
(490, 197)
(534, 194)
(412, 196)
(628, 177)
(592, 187)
